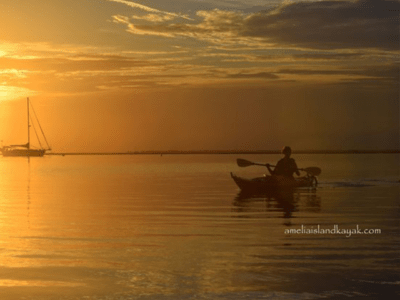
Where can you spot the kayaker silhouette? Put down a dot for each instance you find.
(286, 166)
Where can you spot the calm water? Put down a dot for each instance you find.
(175, 227)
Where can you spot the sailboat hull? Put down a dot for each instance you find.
(23, 152)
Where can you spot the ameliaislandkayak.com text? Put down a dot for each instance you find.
(335, 230)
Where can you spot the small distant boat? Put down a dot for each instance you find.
(25, 149)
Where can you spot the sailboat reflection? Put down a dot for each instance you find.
(286, 201)
(28, 192)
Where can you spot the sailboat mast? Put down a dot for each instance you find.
(29, 138)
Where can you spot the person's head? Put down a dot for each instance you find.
(287, 151)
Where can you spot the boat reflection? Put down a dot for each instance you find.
(283, 201)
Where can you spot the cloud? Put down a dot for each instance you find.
(384, 74)
(67, 68)
(367, 24)
(154, 18)
(330, 24)
(216, 26)
(260, 75)
(149, 9)
(329, 56)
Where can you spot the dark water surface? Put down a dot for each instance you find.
(176, 227)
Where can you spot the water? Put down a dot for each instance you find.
(175, 227)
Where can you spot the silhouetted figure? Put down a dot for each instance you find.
(286, 166)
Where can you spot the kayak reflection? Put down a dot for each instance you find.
(286, 201)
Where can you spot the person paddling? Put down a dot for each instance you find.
(286, 166)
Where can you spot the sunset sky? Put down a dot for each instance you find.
(119, 75)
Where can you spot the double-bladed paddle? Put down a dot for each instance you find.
(314, 171)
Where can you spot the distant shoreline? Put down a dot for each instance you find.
(208, 152)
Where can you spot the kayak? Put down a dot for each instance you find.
(268, 183)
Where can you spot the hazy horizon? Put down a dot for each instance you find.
(117, 76)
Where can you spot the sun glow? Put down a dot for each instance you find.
(11, 92)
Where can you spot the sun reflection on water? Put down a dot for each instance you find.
(38, 283)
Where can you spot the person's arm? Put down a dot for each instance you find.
(296, 168)
(269, 169)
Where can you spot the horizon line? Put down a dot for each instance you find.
(181, 152)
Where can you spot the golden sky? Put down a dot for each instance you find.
(119, 75)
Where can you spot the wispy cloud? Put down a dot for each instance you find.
(154, 18)
(260, 75)
(149, 9)
(216, 26)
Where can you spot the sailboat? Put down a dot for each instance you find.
(25, 149)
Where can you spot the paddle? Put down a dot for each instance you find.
(246, 163)
(315, 171)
